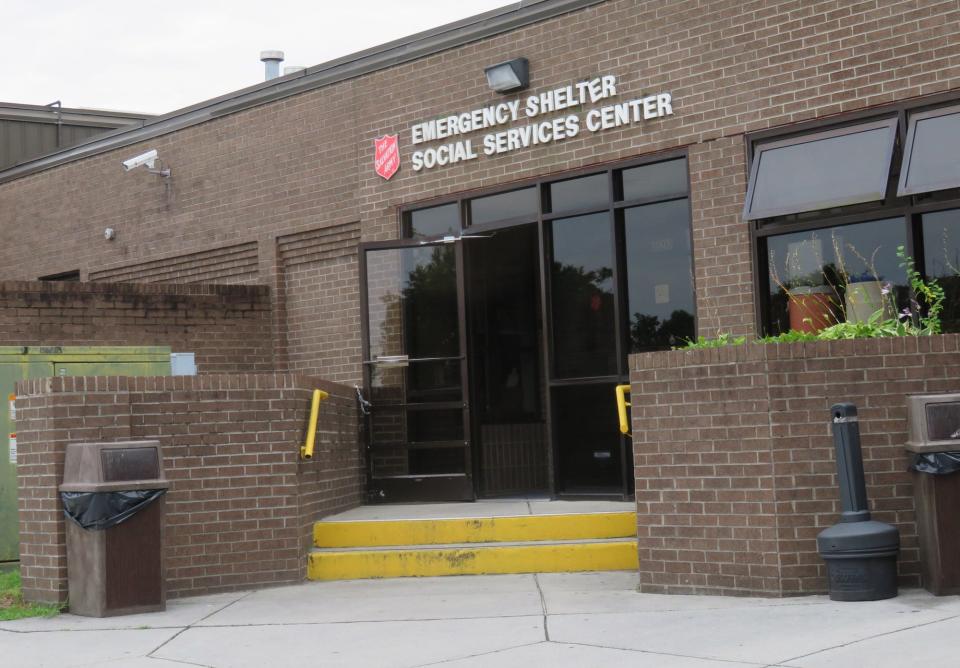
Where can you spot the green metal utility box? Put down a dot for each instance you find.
(21, 363)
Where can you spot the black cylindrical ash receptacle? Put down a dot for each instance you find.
(861, 554)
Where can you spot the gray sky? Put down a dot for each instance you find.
(157, 56)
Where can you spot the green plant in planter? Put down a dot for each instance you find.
(911, 321)
(930, 291)
(723, 339)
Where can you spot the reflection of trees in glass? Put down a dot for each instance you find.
(943, 263)
(417, 315)
(583, 319)
(648, 332)
(430, 305)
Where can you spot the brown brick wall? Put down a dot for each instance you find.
(228, 327)
(230, 265)
(734, 464)
(305, 163)
(241, 501)
(321, 297)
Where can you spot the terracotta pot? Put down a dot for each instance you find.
(810, 309)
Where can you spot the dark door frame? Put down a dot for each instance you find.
(427, 487)
(477, 452)
(615, 204)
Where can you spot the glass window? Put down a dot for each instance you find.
(659, 275)
(577, 194)
(819, 277)
(662, 179)
(581, 289)
(432, 222)
(822, 170)
(588, 439)
(941, 255)
(930, 153)
(437, 461)
(412, 301)
(515, 204)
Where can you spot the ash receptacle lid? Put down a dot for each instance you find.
(859, 538)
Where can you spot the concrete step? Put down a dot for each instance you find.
(472, 558)
(560, 527)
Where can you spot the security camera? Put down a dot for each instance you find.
(149, 159)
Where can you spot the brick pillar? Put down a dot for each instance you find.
(721, 238)
(272, 273)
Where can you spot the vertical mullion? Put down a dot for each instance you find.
(546, 339)
(464, 363)
(366, 369)
(620, 315)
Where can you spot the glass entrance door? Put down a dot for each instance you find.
(415, 371)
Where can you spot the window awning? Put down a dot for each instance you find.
(931, 154)
(821, 170)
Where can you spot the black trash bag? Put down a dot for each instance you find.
(936, 463)
(102, 510)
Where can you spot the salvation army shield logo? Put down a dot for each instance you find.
(386, 157)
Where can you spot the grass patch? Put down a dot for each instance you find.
(11, 600)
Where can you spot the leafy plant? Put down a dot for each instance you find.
(929, 291)
(792, 336)
(723, 339)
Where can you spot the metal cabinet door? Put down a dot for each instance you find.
(12, 369)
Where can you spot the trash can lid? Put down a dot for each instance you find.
(858, 537)
(118, 462)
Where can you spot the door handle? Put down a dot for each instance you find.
(392, 361)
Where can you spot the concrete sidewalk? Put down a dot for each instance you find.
(582, 620)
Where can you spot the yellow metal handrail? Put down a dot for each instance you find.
(622, 404)
(306, 450)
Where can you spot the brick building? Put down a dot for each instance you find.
(669, 167)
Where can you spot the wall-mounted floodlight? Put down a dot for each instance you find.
(509, 76)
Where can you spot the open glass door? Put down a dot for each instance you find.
(415, 371)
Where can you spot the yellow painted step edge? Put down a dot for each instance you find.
(487, 560)
(384, 533)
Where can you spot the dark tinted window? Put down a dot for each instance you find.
(412, 301)
(582, 295)
(434, 221)
(661, 179)
(941, 252)
(587, 438)
(822, 265)
(660, 284)
(821, 171)
(582, 193)
(513, 204)
(930, 159)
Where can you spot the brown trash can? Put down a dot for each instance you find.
(934, 419)
(113, 496)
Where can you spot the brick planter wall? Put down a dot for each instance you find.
(241, 504)
(227, 326)
(734, 465)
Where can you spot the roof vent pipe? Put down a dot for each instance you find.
(271, 64)
(290, 69)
